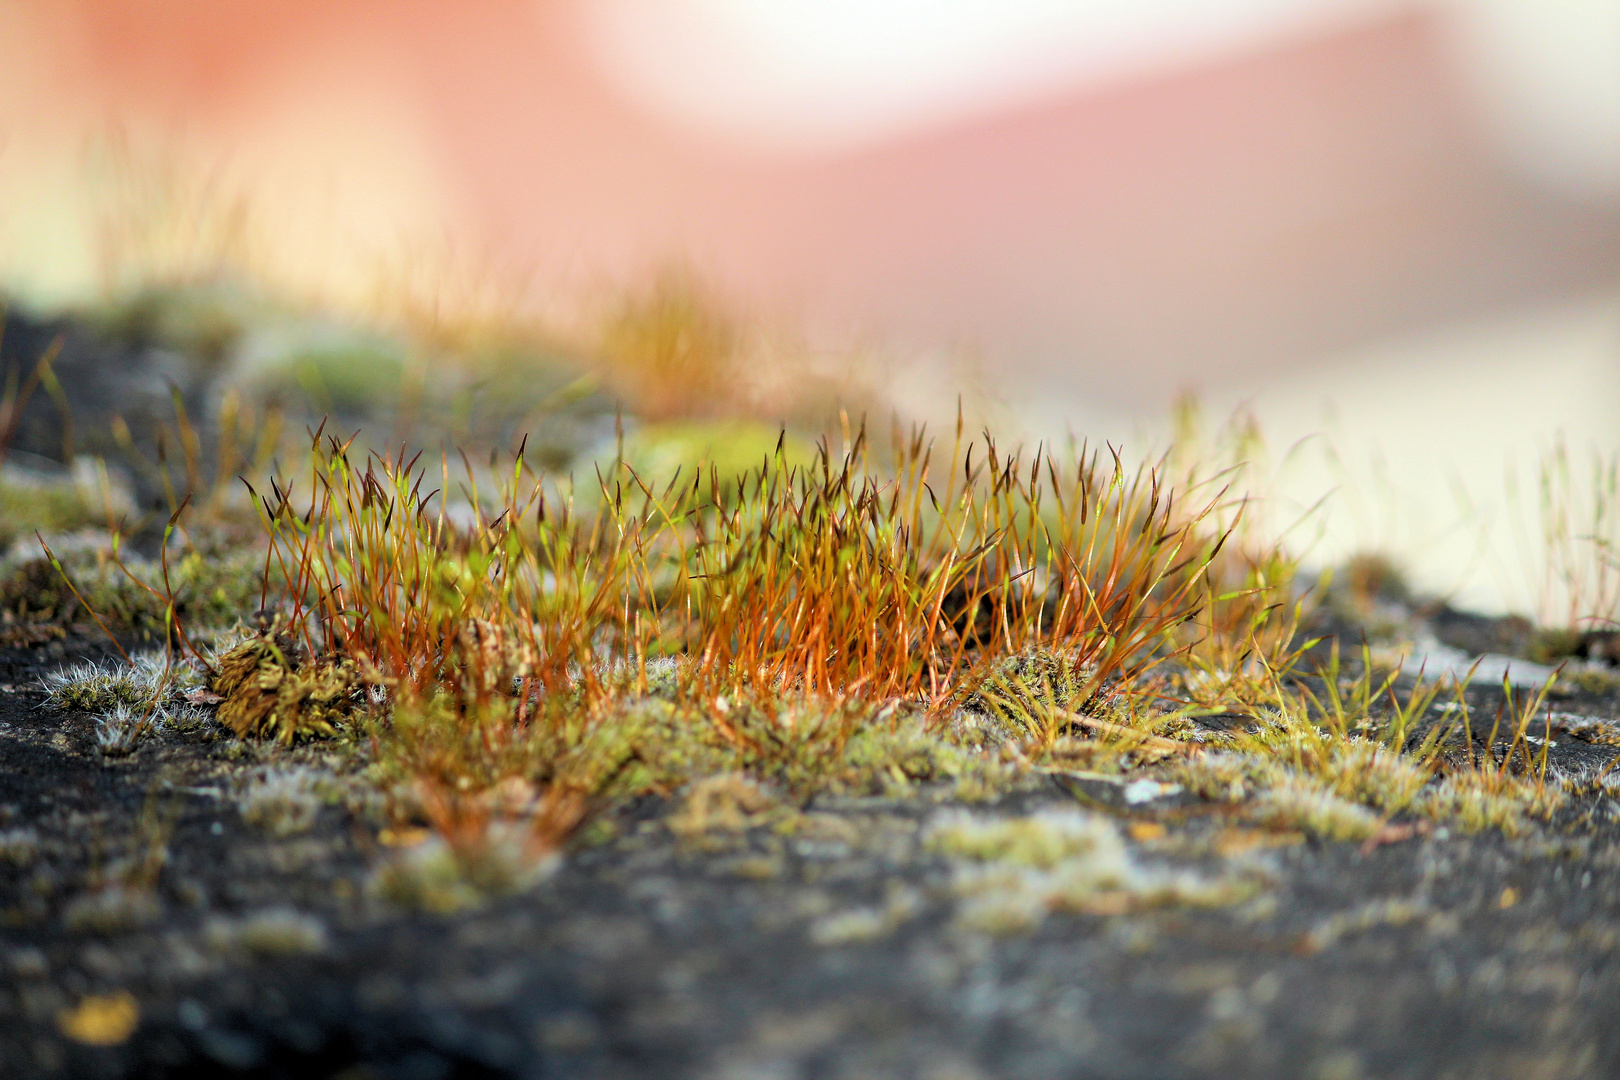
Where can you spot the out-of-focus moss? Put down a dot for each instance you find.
(210, 592)
(1550, 645)
(730, 449)
(26, 508)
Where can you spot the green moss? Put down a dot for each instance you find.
(354, 377)
(101, 688)
(1487, 799)
(1371, 773)
(730, 448)
(1016, 696)
(433, 876)
(1040, 841)
(27, 508)
(201, 319)
(1592, 680)
(34, 592)
(1549, 646)
(1281, 796)
(211, 591)
(1010, 873)
(652, 745)
(1293, 801)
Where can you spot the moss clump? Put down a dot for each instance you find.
(1550, 645)
(1019, 695)
(283, 802)
(34, 593)
(1284, 797)
(1593, 680)
(804, 747)
(277, 931)
(148, 680)
(26, 508)
(1010, 873)
(271, 689)
(435, 877)
(1489, 799)
(1296, 801)
(210, 591)
(1371, 773)
(1372, 576)
(730, 449)
(351, 375)
(725, 803)
(1040, 841)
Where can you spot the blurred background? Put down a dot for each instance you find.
(1388, 229)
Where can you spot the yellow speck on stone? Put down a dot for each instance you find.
(1238, 841)
(1510, 896)
(1146, 830)
(101, 1019)
(407, 837)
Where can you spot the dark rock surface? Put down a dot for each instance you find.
(828, 949)
(102, 377)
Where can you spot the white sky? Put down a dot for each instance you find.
(822, 75)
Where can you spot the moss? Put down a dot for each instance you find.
(1550, 645)
(211, 591)
(1329, 802)
(659, 745)
(1225, 776)
(1488, 799)
(1336, 797)
(119, 730)
(112, 910)
(1014, 871)
(350, 380)
(279, 931)
(282, 802)
(672, 348)
(727, 802)
(1592, 680)
(1295, 801)
(1371, 773)
(1016, 696)
(34, 592)
(1374, 576)
(1040, 841)
(1369, 916)
(730, 448)
(434, 877)
(272, 690)
(27, 508)
(201, 319)
(102, 688)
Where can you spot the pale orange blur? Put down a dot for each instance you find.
(1254, 213)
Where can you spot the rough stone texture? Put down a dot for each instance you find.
(827, 946)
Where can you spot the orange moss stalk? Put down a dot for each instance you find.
(849, 577)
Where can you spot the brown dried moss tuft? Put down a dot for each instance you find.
(271, 690)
